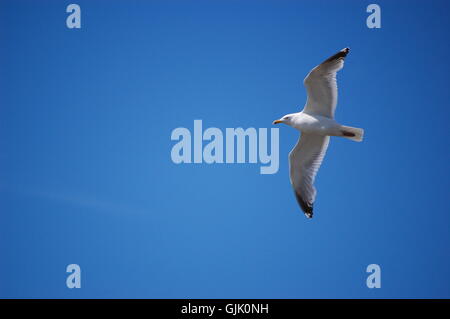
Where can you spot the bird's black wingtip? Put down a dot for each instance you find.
(340, 55)
(306, 207)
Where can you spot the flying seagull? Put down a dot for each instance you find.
(316, 123)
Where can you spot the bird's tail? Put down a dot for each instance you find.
(352, 133)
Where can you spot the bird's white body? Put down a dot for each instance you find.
(316, 123)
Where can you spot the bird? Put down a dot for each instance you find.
(316, 124)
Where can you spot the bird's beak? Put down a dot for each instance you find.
(277, 122)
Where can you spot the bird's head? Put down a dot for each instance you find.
(287, 119)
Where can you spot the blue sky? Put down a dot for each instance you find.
(86, 175)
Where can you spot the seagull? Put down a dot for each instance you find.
(316, 123)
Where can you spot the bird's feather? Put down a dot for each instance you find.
(304, 162)
(321, 85)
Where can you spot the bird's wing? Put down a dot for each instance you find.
(321, 85)
(304, 162)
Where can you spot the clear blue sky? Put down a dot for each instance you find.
(86, 175)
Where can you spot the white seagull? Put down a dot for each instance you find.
(316, 123)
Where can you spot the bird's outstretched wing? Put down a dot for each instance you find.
(304, 162)
(321, 85)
